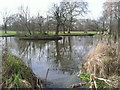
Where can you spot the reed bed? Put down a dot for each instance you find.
(103, 62)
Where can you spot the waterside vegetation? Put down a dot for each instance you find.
(103, 64)
(16, 74)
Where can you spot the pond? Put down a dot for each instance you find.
(63, 58)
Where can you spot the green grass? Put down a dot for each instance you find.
(8, 32)
(86, 77)
(74, 32)
(53, 32)
(15, 71)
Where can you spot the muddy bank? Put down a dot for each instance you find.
(41, 37)
(7, 35)
(33, 37)
(17, 75)
(77, 34)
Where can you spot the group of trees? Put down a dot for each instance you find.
(23, 22)
(65, 16)
(110, 19)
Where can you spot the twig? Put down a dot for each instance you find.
(105, 80)
(46, 75)
(77, 85)
(92, 81)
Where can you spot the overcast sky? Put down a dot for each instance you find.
(43, 5)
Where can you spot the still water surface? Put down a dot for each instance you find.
(63, 58)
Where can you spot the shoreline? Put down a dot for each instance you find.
(19, 35)
(17, 75)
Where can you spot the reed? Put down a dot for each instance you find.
(103, 62)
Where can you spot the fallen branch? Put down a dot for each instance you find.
(77, 85)
(47, 74)
(105, 80)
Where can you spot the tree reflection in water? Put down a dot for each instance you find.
(62, 57)
(65, 54)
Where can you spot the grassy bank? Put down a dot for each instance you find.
(103, 63)
(53, 32)
(73, 32)
(8, 32)
(16, 74)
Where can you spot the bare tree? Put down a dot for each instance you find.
(111, 14)
(40, 22)
(56, 15)
(73, 10)
(5, 16)
(24, 18)
(66, 14)
(47, 23)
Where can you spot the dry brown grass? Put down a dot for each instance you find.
(103, 62)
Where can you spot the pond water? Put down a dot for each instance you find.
(63, 58)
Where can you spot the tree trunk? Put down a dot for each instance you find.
(69, 30)
(103, 27)
(110, 25)
(118, 31)
(70, 27)
(57, 29)
(5, 28)
(63, 29)
(28, 29)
